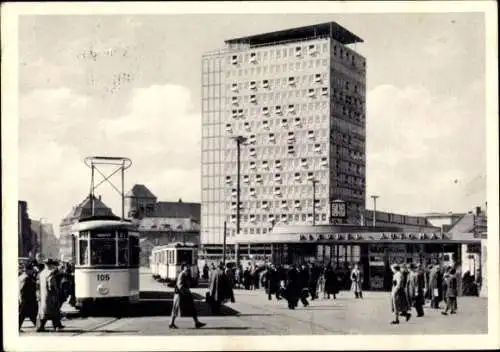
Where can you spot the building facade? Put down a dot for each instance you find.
(160, 223)
(48, 243)
(27, 241)
(298, 98)
(82, 210)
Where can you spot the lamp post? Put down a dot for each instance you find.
(239, 140)
(374, 197)
(314, 182)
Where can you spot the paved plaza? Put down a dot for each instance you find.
(254, 314)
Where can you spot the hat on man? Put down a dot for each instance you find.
(413, 266)
(50, 261)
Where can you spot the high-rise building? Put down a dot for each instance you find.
(297, 97)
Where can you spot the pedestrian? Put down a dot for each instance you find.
(416, 288)
(435, 286)
(357, 282)
(183, 299)
(303, 282)
(49, 298)
(399, 302)
(205, 272)
(247, 278)
(219, 290)
(292, 289)
(272, 282)
(28, 305)
(450, 291)
(314, 274)
(331, 282)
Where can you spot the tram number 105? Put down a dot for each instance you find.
(102, 277)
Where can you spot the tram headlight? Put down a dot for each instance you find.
(102, 290)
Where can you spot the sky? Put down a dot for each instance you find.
(131, 86)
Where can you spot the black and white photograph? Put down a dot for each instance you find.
(255, 175)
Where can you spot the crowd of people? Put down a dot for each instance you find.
(293, 283)
(43, 288)
(412, 286)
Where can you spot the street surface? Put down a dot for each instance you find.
(253, 314)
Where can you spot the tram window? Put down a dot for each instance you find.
(84, 252)
(134, 250)
(184, 257)
(122, 252)
(103, 252)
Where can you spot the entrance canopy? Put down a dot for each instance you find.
(337, 234)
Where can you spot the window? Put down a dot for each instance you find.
(103, 251)
(84, 251)
(123, 252)
(184, 256)
(134, 250)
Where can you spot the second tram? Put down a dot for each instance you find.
(105, 251)
(166, 261)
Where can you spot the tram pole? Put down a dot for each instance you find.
(123, 190)
(92, 190)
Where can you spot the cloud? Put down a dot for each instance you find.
(159, 131)
(418, 145)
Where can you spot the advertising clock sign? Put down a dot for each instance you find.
(338, 209)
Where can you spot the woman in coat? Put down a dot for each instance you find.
(398, 296)
(183, 299)
(356, 282)
(49, 297)
(331, 282)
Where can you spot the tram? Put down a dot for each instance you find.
(166, 261)
(105, 250)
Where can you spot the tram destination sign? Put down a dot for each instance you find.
(102, 235)
(377, 236)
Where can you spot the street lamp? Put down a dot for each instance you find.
(374, 197)
(239, 140)
(314, 182)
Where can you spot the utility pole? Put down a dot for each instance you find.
(239, 140)
(374, 197)
(224, 245)
(314, 200)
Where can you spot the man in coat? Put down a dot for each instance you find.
(398, 296)
(49, 297)
(415, 289)
(183, 299)
(220, 289)
(314, 274)
(450, 291)
(28, 305)
(272, 282)
(292, 291)
(357, 282)
(331, 282)
(435, 286)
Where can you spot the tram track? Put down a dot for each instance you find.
(98, 326)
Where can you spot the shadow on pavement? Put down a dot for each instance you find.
(152, 304)
(255, 315)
